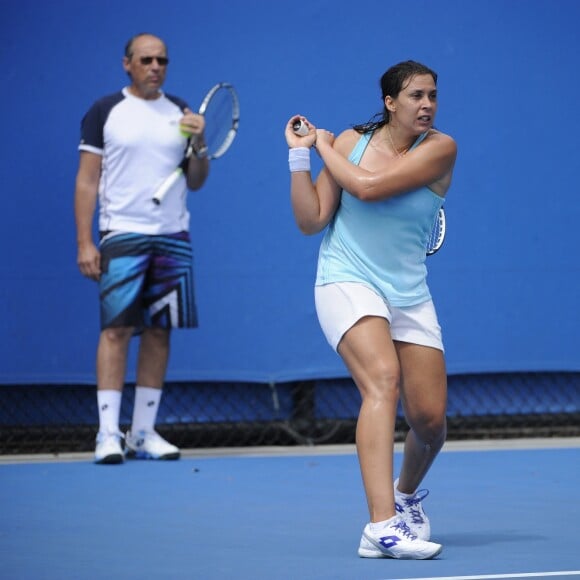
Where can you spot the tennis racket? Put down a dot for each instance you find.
(437, 235)
(221, 109)
(300, 128)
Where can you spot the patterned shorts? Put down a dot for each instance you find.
(147, 281)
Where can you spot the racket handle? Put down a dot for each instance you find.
(166, 186)
(300, 128)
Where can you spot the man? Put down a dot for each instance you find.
(130, 142)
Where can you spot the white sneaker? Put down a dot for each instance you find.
(410, 509)
(396, 540)
(108, 450)
(149, 445)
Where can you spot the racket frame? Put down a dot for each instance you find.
(203, 152)
(440, 226)
(231, 134)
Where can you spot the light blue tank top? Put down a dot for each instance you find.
(382, 243)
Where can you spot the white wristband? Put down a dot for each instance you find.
(299, 159)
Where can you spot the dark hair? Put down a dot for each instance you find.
(392, 83)
(129, 45)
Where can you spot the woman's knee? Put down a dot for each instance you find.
(430, 429)
(381, 382)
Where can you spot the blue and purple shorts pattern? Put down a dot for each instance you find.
(147, 281)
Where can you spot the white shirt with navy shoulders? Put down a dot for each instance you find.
(140, 144)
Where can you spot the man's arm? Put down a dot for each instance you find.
(197, 169)
(86, 189)
(197, 172)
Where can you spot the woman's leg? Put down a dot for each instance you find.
(368, 352)
(424, 400)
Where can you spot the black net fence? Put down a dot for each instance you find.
(63, 419)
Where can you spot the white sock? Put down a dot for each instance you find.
(109, 402)
(397, 492)
(379, 526)
(145, 409)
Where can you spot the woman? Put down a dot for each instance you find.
(379, 191)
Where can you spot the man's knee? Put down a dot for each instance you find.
(117, 335)
(157, 334)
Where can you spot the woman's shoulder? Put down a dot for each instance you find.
(436, 136)
(438, 144)
(346, 141)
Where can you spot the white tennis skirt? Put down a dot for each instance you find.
(341, 304)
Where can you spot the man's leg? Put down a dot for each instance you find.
(111, 368)
(143, 441)
(151, 368)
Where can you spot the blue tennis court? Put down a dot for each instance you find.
(501, 510)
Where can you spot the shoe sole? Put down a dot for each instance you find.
(374, 551)
(130, 454)
(113, 459)
(364, 553)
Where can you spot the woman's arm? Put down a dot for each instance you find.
(430, 161)
(313, 203)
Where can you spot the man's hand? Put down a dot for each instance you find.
(192, 124)
(89, 261)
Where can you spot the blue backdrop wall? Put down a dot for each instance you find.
(506, 282)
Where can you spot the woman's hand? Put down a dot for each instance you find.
(293, 140)
(324, 137)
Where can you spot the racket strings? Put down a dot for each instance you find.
(218, 121)
(437, 233)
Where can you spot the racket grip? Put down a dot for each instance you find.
(166, 186)
(300, 128)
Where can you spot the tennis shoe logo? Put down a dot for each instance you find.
(150, 403)
(104, 407)
(389, 541)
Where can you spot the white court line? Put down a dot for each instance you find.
(309, 450)
(498, 576)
